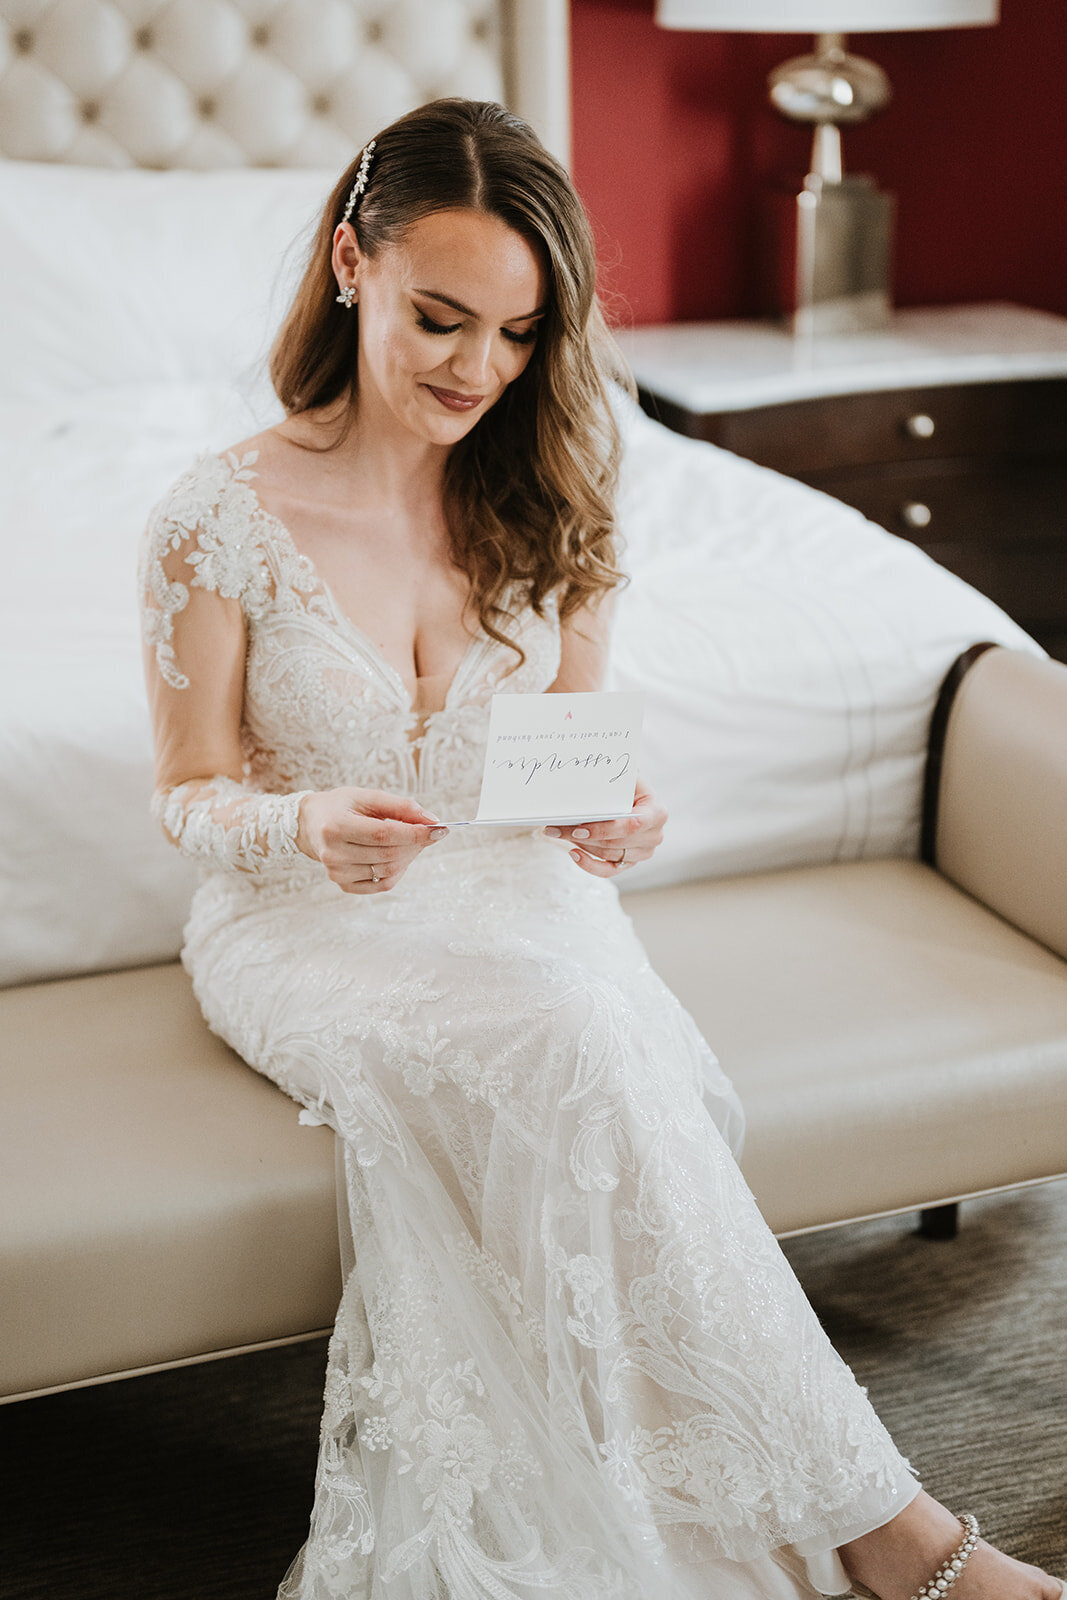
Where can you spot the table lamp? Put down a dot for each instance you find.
(831, 243)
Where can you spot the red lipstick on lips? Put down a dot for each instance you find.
(454, 401)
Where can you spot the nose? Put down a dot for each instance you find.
(472, 361)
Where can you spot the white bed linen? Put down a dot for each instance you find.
(128, 276)
(790, 649)
(86, 880)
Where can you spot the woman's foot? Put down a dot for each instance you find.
(896, 1560)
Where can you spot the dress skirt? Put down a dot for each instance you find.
(570, 1359)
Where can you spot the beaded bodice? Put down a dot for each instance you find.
(323, 708)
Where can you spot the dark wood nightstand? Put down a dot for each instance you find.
(948, 428)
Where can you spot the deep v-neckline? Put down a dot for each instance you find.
(477, 640)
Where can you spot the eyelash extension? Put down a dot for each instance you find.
(429, 326)
(434, 327)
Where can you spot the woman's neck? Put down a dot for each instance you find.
(380, 462)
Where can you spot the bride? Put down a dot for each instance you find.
(570, 1360)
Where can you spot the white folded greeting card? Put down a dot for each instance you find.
(559, 758)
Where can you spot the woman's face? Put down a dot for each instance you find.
(448, 317)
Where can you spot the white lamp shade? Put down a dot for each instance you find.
(824, 16)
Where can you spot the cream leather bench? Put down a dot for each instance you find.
(897, 1031)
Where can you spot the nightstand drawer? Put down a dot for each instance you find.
(944, 501)
(1024, 417)
(948, 427)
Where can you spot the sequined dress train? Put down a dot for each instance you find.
(570, 1360)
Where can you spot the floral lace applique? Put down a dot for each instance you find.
(232, 825)
(204, 511)
(323, 709)
(431, 1059)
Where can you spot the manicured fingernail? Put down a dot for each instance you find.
(580, 833)
(576, 855)
(552, 833)
(438, 833)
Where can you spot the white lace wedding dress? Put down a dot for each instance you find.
(570, 1360)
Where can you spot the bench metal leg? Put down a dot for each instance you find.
(940, 1222)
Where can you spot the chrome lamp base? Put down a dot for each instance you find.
(831, 249)
(832, 241)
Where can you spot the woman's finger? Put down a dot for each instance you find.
(376, 803)
(596, 866)
(607, 848)
(616, 830)
(358, 858)
(368, 885)
(385, 835)
(636, 845)
(612, 849)
(601, 866)
(356, 878)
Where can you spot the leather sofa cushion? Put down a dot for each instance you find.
(892, 1040)
(1002, 801)
(159, 1199)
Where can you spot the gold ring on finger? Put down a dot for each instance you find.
(373, 874)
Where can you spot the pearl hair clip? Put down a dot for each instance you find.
(361, 179)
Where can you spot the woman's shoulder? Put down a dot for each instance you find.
(206, 524)
(193, 498)
(248, 458)
(215, 476)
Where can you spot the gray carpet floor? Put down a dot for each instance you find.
(196, 1484)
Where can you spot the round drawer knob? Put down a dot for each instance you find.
(915, 514)
(920, 426)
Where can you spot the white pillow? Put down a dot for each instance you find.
(130, 276)
(791, 652)
(87, 881)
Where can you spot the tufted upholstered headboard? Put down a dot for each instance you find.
(263, 83)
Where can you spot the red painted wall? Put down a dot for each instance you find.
(674, 141)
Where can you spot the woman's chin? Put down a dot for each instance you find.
(440, 423)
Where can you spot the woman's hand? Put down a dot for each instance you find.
(607, 848)
(365, 839)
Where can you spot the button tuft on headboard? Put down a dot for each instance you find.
(296, 82)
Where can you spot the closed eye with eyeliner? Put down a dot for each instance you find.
(429, 326)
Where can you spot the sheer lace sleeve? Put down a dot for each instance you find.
(222, 823)
(203, 574)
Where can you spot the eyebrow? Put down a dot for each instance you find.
(457, 305)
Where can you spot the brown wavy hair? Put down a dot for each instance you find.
(529, 492)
